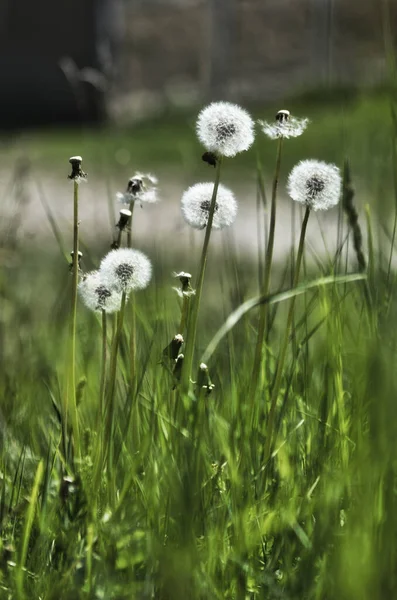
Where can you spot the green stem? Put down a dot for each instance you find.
(284, 343)
(129, 230)
(195, 300)
(74, 417)
(110, 404)
(133, 345)
(263, 314)
(133, 319)
(103, 371)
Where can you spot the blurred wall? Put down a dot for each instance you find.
(248, 48)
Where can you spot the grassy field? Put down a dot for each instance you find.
(148, 487)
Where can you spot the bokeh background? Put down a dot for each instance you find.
(120, 82)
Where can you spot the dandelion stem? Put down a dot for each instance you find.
(103, 373)
(284, 343)
(133, 318)
(263, 314)
(129, 230)
(110, 403)
(75, 425)
(195, 300)
(133, 344)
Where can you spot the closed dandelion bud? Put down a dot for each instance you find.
(79, 257)
(171, 352)
(186, 289)
(196, 202)
(125, 216)
(98, 295)
(141, 187)
(285, 126)
(126, 269)
(177, 371)
(210, 158)
(225, 129)
(203, 379)
(77, 173)
(315, 184)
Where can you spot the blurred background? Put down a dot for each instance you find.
(85, 61)
(120, 82)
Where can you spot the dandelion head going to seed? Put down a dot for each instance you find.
(77, 173)
(225, 128)
(316, 184)
(98, 295)
(284, 126)
(186, 289)
(142, 188)
(126, 269)
(196, 202)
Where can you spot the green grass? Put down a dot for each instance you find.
(188, 507)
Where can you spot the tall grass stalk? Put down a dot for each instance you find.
(32, 506)
(284, 344)
(195, 300)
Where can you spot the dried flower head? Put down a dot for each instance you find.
(284, 126)
(316, 184)
(196, 202)
(77, 173)
(203, 379)
(141, 187)
(171, 352)
(125, 216)
(186, 288)
(225, 128)
(126, 269)
(98, 295)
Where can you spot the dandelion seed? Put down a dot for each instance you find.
(77, 173)
(141, 188)
(316, 184)
(285, 126)
(98, 295)
(196, 203)
(126, 269)
(225, 129)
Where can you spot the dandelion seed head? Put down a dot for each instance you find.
(196, 203)
(141, 187)
(126, 269)
(316, 184)
(97, 293)
(284, 126)
(225, 128)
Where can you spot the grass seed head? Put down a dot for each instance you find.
(316, 184)
(225, 129)
(196, 202)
